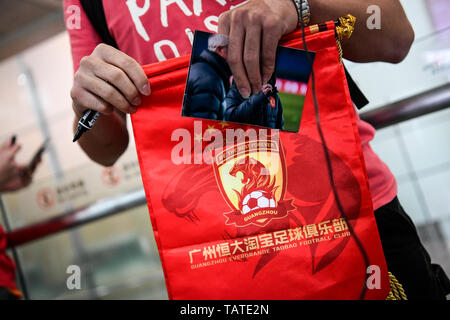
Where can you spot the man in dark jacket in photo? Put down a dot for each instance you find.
(209, 81)
(263, 108)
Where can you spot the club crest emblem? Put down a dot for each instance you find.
(252, 179)
(273, 102)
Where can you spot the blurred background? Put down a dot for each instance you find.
(108, 232)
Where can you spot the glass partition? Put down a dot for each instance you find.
(117, 256)
(117, 259)
(417, 151)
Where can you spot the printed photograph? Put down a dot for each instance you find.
(212, 94)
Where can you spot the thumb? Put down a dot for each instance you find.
(6, 143)
(13, 150)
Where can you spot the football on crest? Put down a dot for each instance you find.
(257, 200)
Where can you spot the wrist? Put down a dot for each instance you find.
(303, 12)
(289, 15)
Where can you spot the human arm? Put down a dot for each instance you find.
(108, 81)
(390, 43)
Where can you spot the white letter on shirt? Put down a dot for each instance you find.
(158, 52)
(211, 23)
(197, 7)
(137, 12)
(190, 35)
(166, 3)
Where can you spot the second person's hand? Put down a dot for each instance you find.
(266, 88)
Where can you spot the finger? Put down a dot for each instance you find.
(224, 24)
(130, 66)
(8, 142)
(235, 53)
(252, 56)
(270, 39)
(84, 99)
(13, 150)
(108, 93)
(118, 79)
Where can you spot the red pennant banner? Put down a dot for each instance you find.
(243, 212)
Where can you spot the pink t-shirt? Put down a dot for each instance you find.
(152, 31)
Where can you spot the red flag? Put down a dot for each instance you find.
(242, 212)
